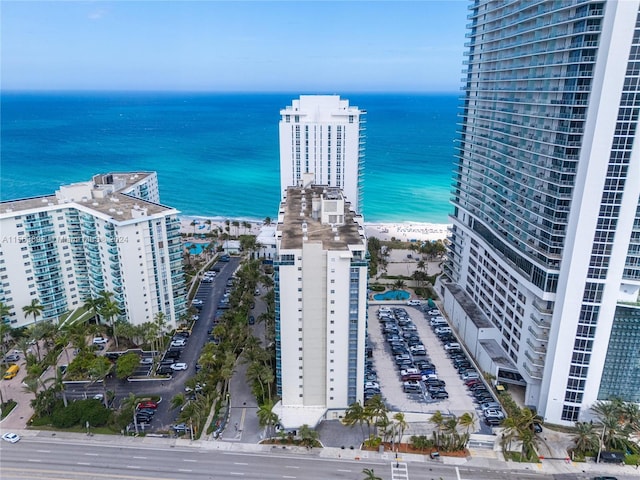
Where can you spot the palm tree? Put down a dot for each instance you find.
(236, 225)
(400, 426)
(5, 311)
(193, 224)
(438, 420)
(94, 305)
(398, 284)
(467, 420)
(370, 474)
(109, 309)
(267, 220)
(586, 438)
(355, 414)
(208, 223)
(267, 417)
(34, 308)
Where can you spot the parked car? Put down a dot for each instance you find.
(99, 341)
(414, 303)
(411, 386)
(12, 357)
(164, 370)
(148, 404)
(179, 366)
(440, 395)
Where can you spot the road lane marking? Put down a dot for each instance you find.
(342, 470)
(287, 476)
(133, 466)
(83, 463)
(92, 454)
(240, 463)
(188, 460)
(291, 466)
(140, 458)
(236, 473)
(43, 451)
(184, 470)
(36, 460)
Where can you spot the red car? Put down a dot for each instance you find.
(153, 405)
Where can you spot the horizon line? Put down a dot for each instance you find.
(234, 92)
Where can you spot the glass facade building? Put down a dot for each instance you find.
(545, 239)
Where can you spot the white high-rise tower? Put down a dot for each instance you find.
(323, 135)
(543, 277)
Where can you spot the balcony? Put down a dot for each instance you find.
(540, 323)
(539, 349)
(534, 372)
(536, 360)
(542, 337)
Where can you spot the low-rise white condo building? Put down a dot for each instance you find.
(321, 299)
(325, 136)
(108, 234)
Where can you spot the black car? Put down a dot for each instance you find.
(164, 370)
(492, 421)
(440, 395)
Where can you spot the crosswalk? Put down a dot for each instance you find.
(399, 471)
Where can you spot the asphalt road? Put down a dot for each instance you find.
(71, 458)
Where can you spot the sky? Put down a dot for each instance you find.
(235, 46)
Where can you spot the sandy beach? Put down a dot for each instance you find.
(407, 231)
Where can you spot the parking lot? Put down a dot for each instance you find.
(417, 398)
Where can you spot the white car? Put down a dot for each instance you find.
(414, 303)
(178, 343)
(491, 413)
(100, 341)
(11, 437)
(179, 366)
(196, 301)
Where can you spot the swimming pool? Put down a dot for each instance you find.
(199, 247)
(392, 295)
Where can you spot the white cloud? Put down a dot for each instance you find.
(97, 14)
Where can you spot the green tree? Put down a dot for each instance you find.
(585, 439)
(369, 474)
(267, 418)
(34, 308)
(109, 310)
(127, 364)
(467, 420)
(308, 436)
(438, 421)
(355, 414)
(400, 425)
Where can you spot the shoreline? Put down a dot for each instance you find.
(405, 231)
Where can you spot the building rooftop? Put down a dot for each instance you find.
(497, 354)
(102, 194)
(476, 315)
(301, 214)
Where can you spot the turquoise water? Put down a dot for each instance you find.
(392, 295)
(217, 155)
(199, 247)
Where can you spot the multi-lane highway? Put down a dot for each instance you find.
(79, 458)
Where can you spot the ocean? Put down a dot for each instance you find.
(217, 154)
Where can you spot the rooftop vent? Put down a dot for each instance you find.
(95, 204)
